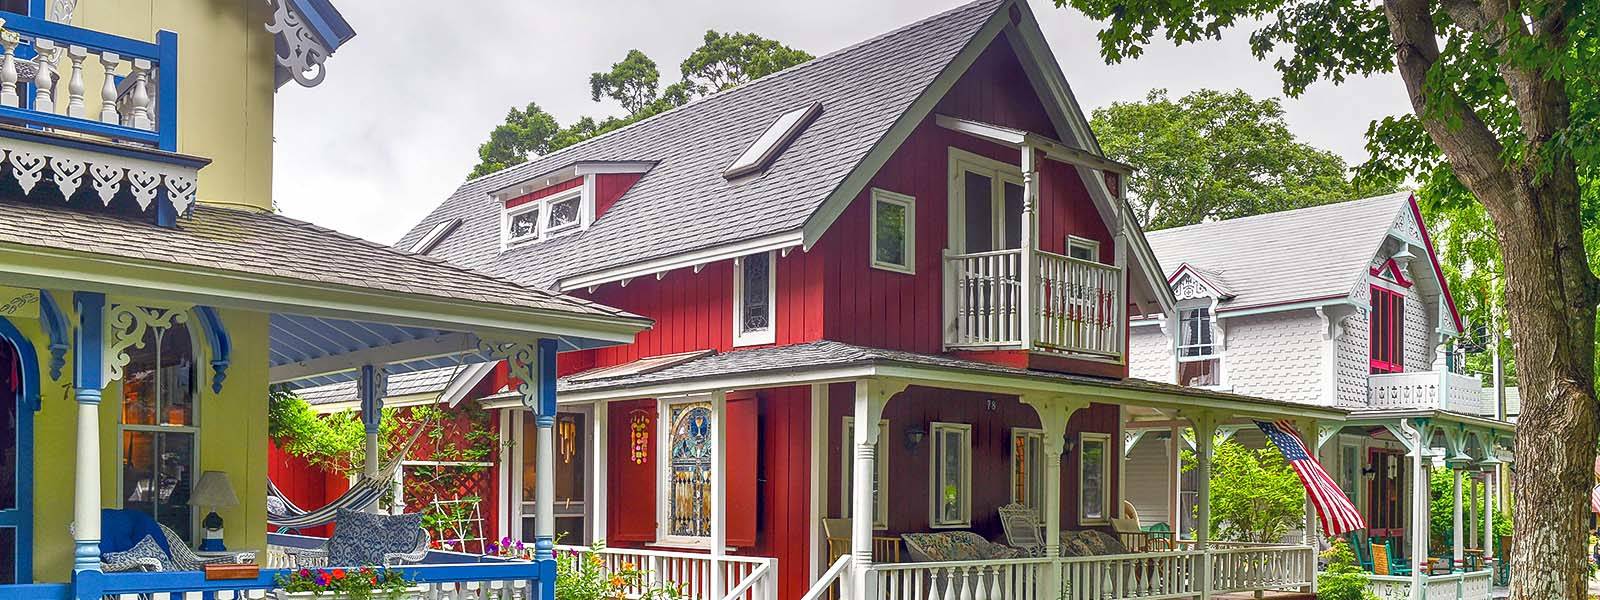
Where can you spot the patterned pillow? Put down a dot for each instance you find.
(146, 548)
(362, 539)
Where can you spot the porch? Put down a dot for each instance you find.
(945, 445)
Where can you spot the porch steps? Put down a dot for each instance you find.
(1267, 595)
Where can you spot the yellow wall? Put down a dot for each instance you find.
(233, 438)
(225, 86)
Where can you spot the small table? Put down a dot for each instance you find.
(249, 555)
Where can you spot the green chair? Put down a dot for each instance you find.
(1397, 565)
(1158, 531)
(1362, 551)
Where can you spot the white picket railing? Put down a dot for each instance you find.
(1077, 305)
(835, 583)
(1144, 576)
(744, 577)
(1441, 390)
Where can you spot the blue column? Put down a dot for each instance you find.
(87, 381)
(544, 537)
(371, 386)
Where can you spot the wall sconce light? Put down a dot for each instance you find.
(1068, 446)
(914, 436)
(1369, 471)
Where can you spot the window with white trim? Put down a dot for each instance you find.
(1094, 478)
(1199, 362)
(543, 218)
(1083, 248)
(754, 304)
(950, 477)
(1027, 468)
(894, 228)
(685, 513)
(880, 476)
(158, 423)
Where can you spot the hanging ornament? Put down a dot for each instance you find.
(639, 426)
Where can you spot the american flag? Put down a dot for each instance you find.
(1334, 510)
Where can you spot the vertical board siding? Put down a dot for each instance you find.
(609, 187)
(784, 486)
(544, 192)
(991, 453)
(304, 485)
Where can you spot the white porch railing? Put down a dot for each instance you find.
(744, 577)
(1148, 576)
(1077, 305)
(1440, 390)
(1455, 586)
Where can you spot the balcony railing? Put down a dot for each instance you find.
(1056, 303)
(1435, 390)
(59, 77)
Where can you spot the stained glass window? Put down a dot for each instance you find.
(1094, 474)
(1027, 464)
(689, 470)
(753, 298)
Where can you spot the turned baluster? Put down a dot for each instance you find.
(44, 76)
(8, 66)
(108, 90)
(76, 54)
(139, 99)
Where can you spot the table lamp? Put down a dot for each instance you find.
(213, 491)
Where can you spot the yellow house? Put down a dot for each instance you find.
(149, 297)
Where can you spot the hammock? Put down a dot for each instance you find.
(361, 495)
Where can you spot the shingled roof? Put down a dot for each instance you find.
(1277, 258)
(684, 203)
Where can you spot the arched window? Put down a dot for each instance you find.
(159, 427)
(689, 470)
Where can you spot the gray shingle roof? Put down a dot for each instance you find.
(274, 246)
(1280, 257)
(684, 203)
(400, 384)
(828, 353)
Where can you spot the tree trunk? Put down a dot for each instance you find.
(1550, 290)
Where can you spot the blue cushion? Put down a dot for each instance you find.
(147, 547)
(362, 539)
(122, 529)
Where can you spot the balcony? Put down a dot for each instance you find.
(95, 111)
(1040, 301)
(1428, 390)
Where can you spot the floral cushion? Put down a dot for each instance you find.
(363, 539)
(1090, 542)
(146, 548)
(956, 545)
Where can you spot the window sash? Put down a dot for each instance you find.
(1083, 248)
(670, 413)
(906, 205)
(1027, 464)
(161, 429)
(950, 476)
(880, 476)
(1101, 474)
(1386, 331)
(1197, 336)
(754, 300)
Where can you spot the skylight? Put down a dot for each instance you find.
(766, 148)
(434, 236)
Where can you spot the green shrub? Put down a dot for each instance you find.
(1343, 579)
(1255, 495)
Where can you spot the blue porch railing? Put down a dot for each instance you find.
(49, 70)
(501, 581)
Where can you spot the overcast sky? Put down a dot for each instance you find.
(396, 125)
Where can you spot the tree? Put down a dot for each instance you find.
(1214, 155)
(1255, 496)
(721, 62)
(1501, 94)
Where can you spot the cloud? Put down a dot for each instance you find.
(396, 125)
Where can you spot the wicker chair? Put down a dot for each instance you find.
(184, 559)
(1022, 528)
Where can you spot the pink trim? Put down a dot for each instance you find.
(1223, 309)
(1393, 268)
(1427, 242)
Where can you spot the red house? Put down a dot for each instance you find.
(893, 282)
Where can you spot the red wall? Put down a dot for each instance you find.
(609, 187)
(544, 192)
(306, 486)
(991, 452)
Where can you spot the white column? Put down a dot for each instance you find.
(1205, 432)
(1419, 515)
(719, 491)
(819, 480)
(1312, 437)
(88, 379)
(1489, 490)
(1473, 491)
(598, 511)
(1030, 203)
(544, 480)
(1458, 556)
(1175, 482)
(871, 396)
(1054, 413)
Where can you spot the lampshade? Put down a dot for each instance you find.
(213, 490)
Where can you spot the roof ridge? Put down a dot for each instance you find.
(1260, 216)
(765, 79)
(566, 299)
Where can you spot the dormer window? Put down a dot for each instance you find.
(564, 213)
(535, 217)
(1199, 362)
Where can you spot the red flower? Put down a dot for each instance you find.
(338, 573)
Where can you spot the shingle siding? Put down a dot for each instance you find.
(1150, 354)
(1354, 362)
(1276, 355)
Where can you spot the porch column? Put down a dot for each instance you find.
(1175, 480)
(371, 384)
(1418, 433)
(719, 491)
(1205, 432)
(1489, 491)
(1030, 204)
(1054, 413)
(1458, 555)
(544, 494)
(88, 379)
(1473, 491)
(1311, 435)
(599, 424)
(871, 397)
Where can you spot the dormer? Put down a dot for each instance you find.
(562, 202)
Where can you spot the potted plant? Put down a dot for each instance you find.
(365, 583)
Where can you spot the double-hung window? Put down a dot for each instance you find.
(1387, 325)
(158, 425)
(880, 477)
(1199, 363)
(1027, 468)
(1083, 248)
(951, 476)
(894, 228)
(1094, 479)
(754, 313)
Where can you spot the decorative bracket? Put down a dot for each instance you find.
(1054, 414)
(126, 326)
(876, 393)
(523, 362)
(306, 54)
(221, 345)
(59, 328)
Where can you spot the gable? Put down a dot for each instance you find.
(996, 89)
